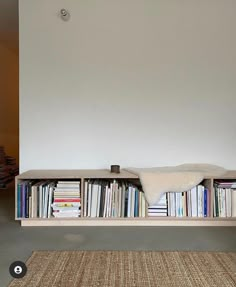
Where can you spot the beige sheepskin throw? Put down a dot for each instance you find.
(157, 180)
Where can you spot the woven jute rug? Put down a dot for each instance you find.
(128, 268)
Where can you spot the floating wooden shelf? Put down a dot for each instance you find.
(136, 221)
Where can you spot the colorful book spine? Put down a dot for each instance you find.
(19, 200)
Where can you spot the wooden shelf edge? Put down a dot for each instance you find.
(128, 222)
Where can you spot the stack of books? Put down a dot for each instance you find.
(113, 199)
(192, 203)
(12, 165)
(159, 209)
(224, 199)
(66, 201)
(8, 168)
(4, 175)
(2, 155)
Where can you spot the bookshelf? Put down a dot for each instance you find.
(102, 174)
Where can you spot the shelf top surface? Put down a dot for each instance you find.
(73, 173)
(93, 173)
(230, 174)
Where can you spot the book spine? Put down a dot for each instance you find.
(220, 201)
(205, 202)
(23, 200)
(27, 201)
(233, 203)
(136, 204)
(18, 200)
(216, 202)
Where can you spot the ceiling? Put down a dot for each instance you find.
(9, 24)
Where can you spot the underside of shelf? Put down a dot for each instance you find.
(130, 222)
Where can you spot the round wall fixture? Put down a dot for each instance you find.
(65, 15)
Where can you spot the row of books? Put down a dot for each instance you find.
(116, 198)
(45, 199)
(34, 199)
(113, 199)
(66, 201)
(224, 199)
(192, 203)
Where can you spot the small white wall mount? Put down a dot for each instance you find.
(64, 14)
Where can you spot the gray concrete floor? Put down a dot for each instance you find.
(17, 243)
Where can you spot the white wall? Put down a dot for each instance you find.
(129, 82)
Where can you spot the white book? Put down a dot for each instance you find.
(67, 190)
(228, 195)
(105, 202)
(173, 203)
(157, 214)
(223, 203)
(50, 201)
(98, 199)
(129, 201)
(110, 210)
(132, 201)
(89, 198)
(189, 203)
(85, 197)
(181, 205)
(66, 209)
(177, 203)
(32, 201)
(45, 204)
(123, 200)
(219, 201)
(40, 203)
(68, 185)
(110, 201)
(199, 201)
(94, 200)
(62, 182)
(233, 202)
(140, 204)
(116, 199)
(143, 205)
(65, 214)
(194, 201)
(119, 201)
(170, 203)
(162, 200)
